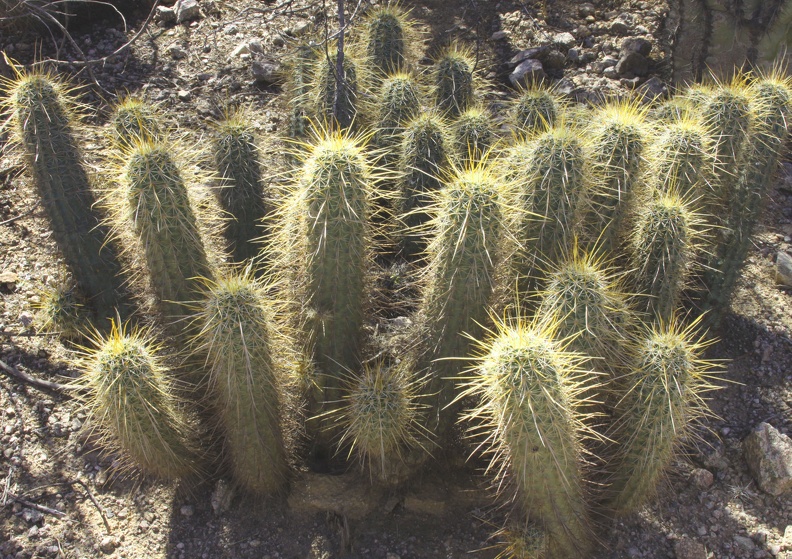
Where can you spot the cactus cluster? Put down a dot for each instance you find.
(589, 230)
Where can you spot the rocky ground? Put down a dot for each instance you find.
(57, 498)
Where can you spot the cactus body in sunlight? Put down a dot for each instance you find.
(398, 103)
(382, 420)
(465, 253)
(619, 137)
(663, 249)
(388, 37)
(132, 401)
(770, 107)
(534, 112)
(528, 387)
(473, 135)
(454, 81)
(134, 119)
(663, 398)
(424, 158)
(44, 121)
(155, 201)
(240, 190)
(236, 334)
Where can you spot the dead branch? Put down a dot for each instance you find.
(35, 382)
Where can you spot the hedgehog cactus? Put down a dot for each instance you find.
(770, 107)
(473, 135)
(424, 158)
(382, 419)
(662, 400)
(301, 76)
(465, 255)
(663, 249)
(134, 119)
(387, 37)
(337, 108)
(619, 137)
(529, 388)
(131, 401)
(43, 119)
(555, 186)
(453, 81)
(535, 111)
(155, 200)
(60, 310)
(236, 335)
(397, 104)
(326, 238)
(241, 193)
(683, 156)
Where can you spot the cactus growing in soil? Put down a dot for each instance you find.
(662, 250)
(535, 111)
(619, 135)
(324, 243)
(555, 180)
(236, 333)
(382, 419)
(397, 104)
(134, 119)
(424, 159)
(154, 199)
(453, 78)
(771, 105)
(683, 156)
(131, 399)
(43, 119)
(300, 78)
(338, 109)
(465, 256)
(473, 135)
(389, 37)
(60, 311)
(240, 190)
(529, 388)
(663, 398)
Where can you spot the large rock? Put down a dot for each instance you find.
(526, 73)
(636, 44)
(784, 269)
(342, 494)
(186, 10)
(632, 64)
(769, 456)
(266, 72)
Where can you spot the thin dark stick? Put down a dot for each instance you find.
(40, 508)
(20, 216)
(95, 502)
(7, 334)
(38, 383)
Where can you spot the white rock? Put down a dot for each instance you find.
(187, 10)
(784, 269)
(769, 456)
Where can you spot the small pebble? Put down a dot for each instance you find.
(187, 510)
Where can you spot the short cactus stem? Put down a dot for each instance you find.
(397, 104)
(556, 185)
(619, 137)
(131, 400)
(453, 81)
(465, 255)
(44, 126)
(240, 190)
(61, 312)
(387, 35)
(529, 388)
(158, 206)
(325, 234)
(683, 156)
(662, 400)
(236, 333)
(134, 119)
(382, 420)
(663, 251)
(337, 109)
(535, 111)
(473, 135)
(424, 159)
(771, 98)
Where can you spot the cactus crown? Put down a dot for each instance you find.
(535, 111)
(133, 119)
(387, 30)
(684, 156)
(473, 134)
